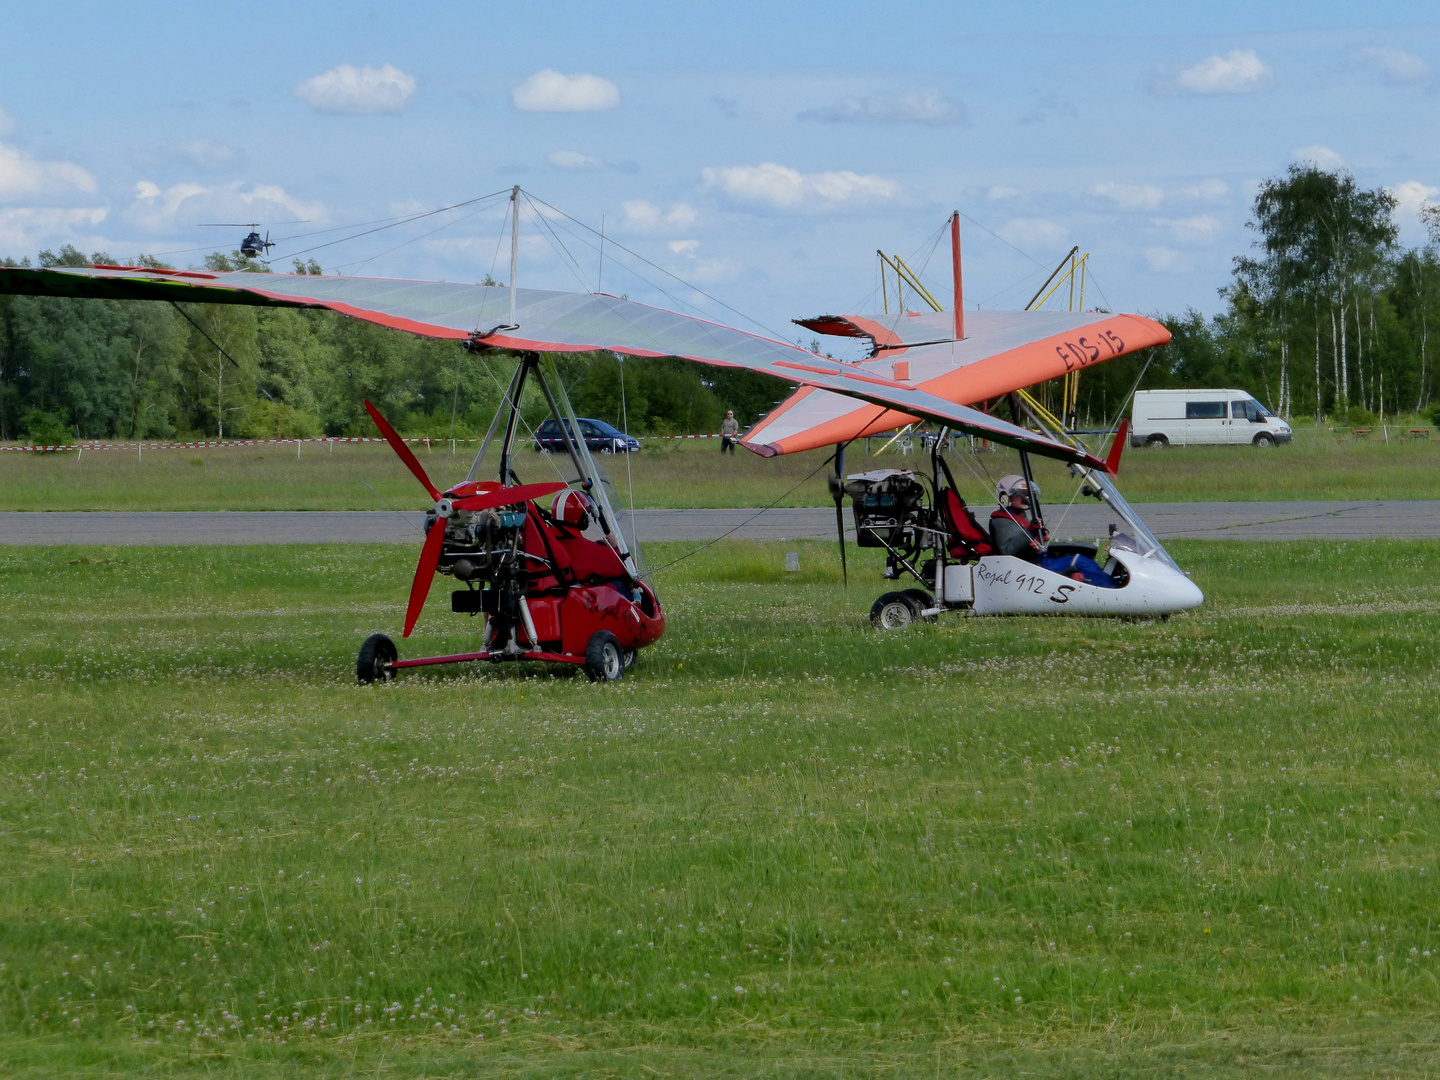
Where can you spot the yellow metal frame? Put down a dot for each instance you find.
(903, 276)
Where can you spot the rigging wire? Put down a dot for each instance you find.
(752, 517)
(612, 242)
(413, 239)
(397, 222)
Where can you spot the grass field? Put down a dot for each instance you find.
(785, 846)
(1318, 465)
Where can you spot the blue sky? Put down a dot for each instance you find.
(759, 151)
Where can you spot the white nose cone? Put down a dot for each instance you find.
(1157, 587)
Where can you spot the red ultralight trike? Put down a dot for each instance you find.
(560, 583)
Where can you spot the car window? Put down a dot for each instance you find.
(1205, 410)
(547, 428)
(1247, 410)
(589, 429)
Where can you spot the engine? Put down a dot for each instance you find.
(890, 508)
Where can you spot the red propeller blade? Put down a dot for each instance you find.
(1112, 462)
(424, 573)
(506, 496)
(398, 445)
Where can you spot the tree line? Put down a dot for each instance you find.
(1326, 317)
(159, 370)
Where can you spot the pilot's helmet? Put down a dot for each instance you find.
(1023, 489)
(1004, 485)
(573, 508)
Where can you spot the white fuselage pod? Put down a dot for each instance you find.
(1005, 585)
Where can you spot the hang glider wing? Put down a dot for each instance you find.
(1002, 351)
(544, 322)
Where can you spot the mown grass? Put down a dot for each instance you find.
(785, 846)
(1319, 465)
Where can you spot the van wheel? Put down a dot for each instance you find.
(1158, 442)
(1264, 440)
(893, 611)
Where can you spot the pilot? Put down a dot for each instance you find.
(1012, 529)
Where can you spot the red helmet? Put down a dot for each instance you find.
(573, 508)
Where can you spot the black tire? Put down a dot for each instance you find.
(604, 658)
(376, 656)
(1264, 440)
(893, 611)
(923, 601)
(1157, 442)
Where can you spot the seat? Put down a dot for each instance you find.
(967, 539)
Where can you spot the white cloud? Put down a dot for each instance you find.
(24, 229)
(645, 216)
(1192, 229)
(159, 209)
(574, 159)
(930, 107)
(7, 125)
(1239, 71)
(363, 90)
(1130, 196)
(684, 247)
(1034, 232)
(1411, 196)
(22, 177)
(550, 91)
(207, 154)
(1391, 64)
(1211, 190)
(1321, 157)
(1000, 191)
(786, 189)
(1162, 259)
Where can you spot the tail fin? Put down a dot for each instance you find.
(1112, 460)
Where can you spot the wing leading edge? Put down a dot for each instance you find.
(547, 322)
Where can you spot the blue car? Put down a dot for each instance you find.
(598, 435)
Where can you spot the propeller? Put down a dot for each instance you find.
(837, 489)
(444, 507)
(398, 445)
(425, 571)
(1112, 460)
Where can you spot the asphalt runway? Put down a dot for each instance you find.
(1417, 520)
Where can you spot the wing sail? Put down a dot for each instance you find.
(547, 322)
(1003, 351)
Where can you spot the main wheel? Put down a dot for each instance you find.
(1264, 440)
(1157, 442)
(629, 655)
(893, 611)
(604, 658)
(376, 656)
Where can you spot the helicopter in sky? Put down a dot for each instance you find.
(252, 246)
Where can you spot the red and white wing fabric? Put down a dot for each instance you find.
(548, 322)
(1001, 351)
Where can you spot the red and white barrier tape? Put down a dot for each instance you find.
(286, 442)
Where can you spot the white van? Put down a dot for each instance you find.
(1203, 418)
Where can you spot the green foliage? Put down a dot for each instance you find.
(47, 429)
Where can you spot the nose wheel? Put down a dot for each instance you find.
(375, 659)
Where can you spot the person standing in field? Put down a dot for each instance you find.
(729, 430)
